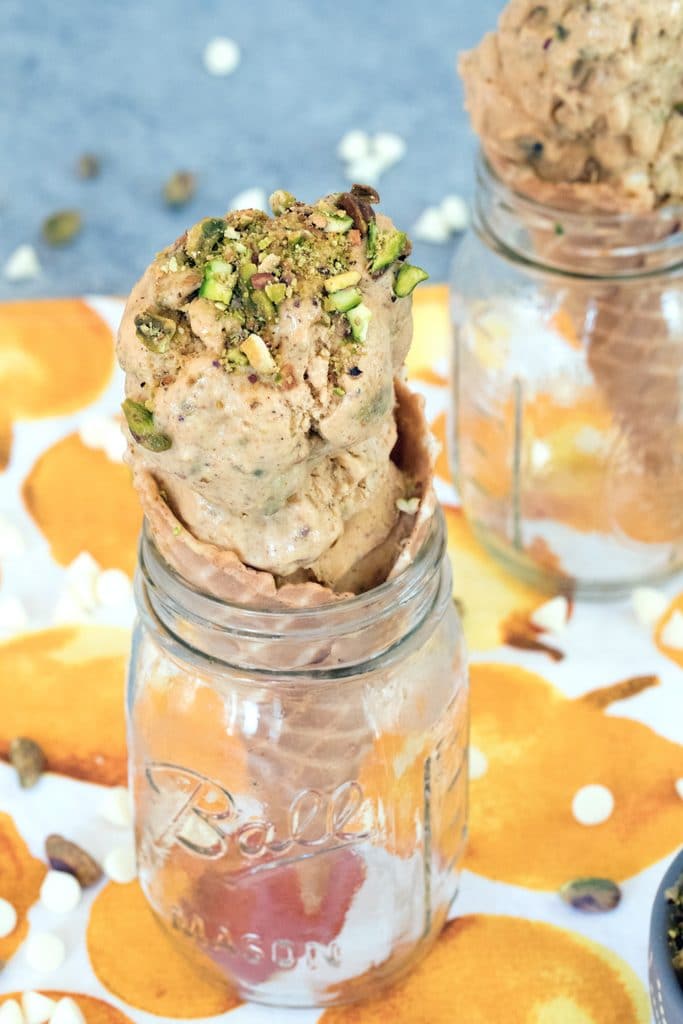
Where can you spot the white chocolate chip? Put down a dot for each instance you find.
(592, 805)
(431, 227)
(116, 807)
(13, 616)
(60, 892)
(113, 588)
(250, 199)
(8, 918)
(552, 616)
(12, 543)
(366, 170)
(648, 604)
(37, 1008)
(408, 505)
(45, 952)
(67, 1012)
(120, 865)
(258, 354)
(23, 264)
(478, 763)
(678, 786)
(10, 1012)
(222, 56)
(455, 212)
(389, 148)
(672, 634)
(355, 145)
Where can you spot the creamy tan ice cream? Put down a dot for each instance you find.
(260, 356)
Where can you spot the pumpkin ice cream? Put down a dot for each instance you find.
(260, 356)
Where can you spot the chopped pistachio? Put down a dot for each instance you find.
(276, 292)
(258, 354)
(247, 270)
(281, 201)
(154, 331)
(338, 223)
(390, 246)
(62, 227)
(205, 238)
(219, 281)
(372, 240)
(339, 392)
(342, 281)
(407, 279)
(359, 319)
(343, 301)
(180, 188)
(141, 425)
(236, 357)
(88, 166)
(28, 760)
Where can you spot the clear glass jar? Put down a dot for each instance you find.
(567, 376)
(300, 779)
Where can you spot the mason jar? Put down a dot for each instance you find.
(567, 377)
(299, 778)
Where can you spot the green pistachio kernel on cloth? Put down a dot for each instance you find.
(155, 332)
(27, 758)
(88, 166)
(180, 188)
(141, 425)
(591, 895)
(62, 227)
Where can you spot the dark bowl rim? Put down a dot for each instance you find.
(661, 965)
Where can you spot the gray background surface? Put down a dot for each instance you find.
(126, 80)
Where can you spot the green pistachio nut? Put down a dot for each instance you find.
(276, 292)
(338, 223)
(141, 425)
(62, 227)
(219, 281)
(155, 332)
(591, 895)
(359, 318)
(390, 245)
(407, 280)
(180, 188)
(341, 281)
(343, 301)
(281, 201)
(263, 306)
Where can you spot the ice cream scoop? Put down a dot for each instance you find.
(260, 357)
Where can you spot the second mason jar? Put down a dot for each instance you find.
(299, 778)
(567, 426)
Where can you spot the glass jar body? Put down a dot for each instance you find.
(300, 832)
(567, 378)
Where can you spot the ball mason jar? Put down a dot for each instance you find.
(299, 778)
(567, 376)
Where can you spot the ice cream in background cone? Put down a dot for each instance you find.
(283, 465)
(579, 110)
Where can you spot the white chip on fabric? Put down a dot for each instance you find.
(13, 616)
(67, 1011)
(12, 544)
(592, 805)
(431, 227)
(455, 212)
(113, 588)
(678, 786)
(8, 918)
(116, 807)
(250, 199)
(22, 265)
(115, 444)
(120, 865)
(648, 604)
(551, 616)
(10, 1012)
(80, 578)
(672, 634)
(355, 145)
(45, 952)
(478, 763)
(367, 170)
(222, 56)
(60, 892)
(68, 611)
(93, 431)
(389, 148)
(37, 1008)
(541, 453)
